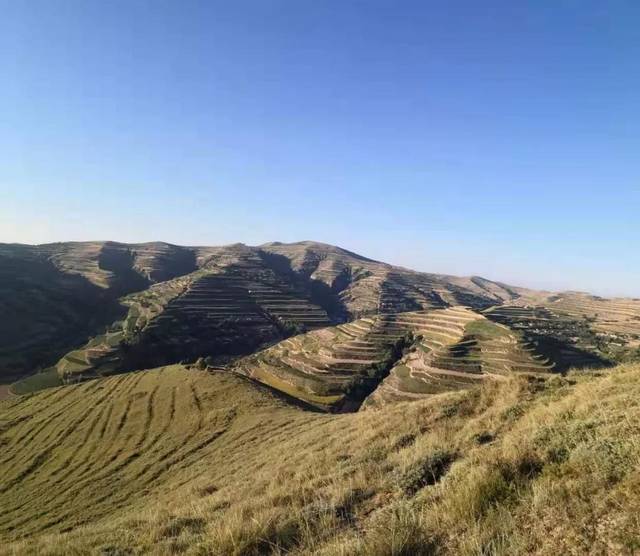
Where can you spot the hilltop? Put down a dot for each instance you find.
(175, 460)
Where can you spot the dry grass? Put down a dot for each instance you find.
(518, 466)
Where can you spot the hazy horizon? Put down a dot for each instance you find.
(496, 139)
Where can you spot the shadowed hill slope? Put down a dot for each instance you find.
(172, 461)
(55, 296)
(45, 310)
(234, 304)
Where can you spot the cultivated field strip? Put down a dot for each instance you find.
(73, 454)
(232, 311)
(277, 297)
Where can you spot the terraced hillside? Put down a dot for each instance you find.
(455, 349)
(570, 341)
(235, 304)
(394, 357)
(105, 353)
(243, 298)
(613, 311)
(285, 297)
(615, 322)
(330, 368)
(174, 461)
(96, 308)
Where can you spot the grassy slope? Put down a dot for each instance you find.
(37, 382)
(513, 467)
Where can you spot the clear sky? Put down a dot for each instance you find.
(499, 138)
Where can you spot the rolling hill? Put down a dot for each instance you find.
(82, 310)
(406, 356)
(105, 293)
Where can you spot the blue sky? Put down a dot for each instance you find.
(496, 138)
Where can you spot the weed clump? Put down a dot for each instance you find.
(425, 472)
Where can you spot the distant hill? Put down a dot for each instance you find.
(367, 287)
(97, 308)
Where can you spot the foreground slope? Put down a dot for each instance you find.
(518, 466)
(74, 454)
